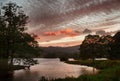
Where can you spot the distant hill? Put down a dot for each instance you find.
(60, 51)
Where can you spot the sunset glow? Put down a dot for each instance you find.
(62, 22)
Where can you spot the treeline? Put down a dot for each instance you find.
(96, 46)
(60, 55)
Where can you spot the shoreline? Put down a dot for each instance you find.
(109, 71)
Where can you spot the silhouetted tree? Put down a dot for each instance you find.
(88, 47)
(115, 47)
(14, 41)
(95, 46)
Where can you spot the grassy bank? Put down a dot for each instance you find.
(110, 71)
(99, 64)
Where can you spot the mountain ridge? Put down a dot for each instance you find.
(52, 51)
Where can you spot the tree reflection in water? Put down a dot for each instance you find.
(7, 69)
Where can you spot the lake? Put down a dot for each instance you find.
(51, 69)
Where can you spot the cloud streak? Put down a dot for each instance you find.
(65, 40)
(65, 32)
(55, 20)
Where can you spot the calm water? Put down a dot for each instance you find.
(51, 69)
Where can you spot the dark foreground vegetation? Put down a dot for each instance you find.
(109, 71)
(15, 42)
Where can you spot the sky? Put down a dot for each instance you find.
(62, 22)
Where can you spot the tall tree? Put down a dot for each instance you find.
(13, 38)
(88, 48)
(95, 45)
(115, 47)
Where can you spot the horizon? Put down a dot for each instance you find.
(61, 23)
(54, 40)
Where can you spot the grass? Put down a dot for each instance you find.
(110, 71)
(99, 64)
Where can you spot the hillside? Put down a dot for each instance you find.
(60, 51)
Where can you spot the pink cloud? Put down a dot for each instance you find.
(67, 32)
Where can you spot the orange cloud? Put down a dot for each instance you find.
(50, 33)
(68, 31)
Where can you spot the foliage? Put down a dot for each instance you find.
(13, 38)
(95, 46)
(99, 64)
(63, 58)
(115, 47)
(15, 42)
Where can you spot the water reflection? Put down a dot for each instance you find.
(51, 69)
(26, 75)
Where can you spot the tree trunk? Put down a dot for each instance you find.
(93, 59)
